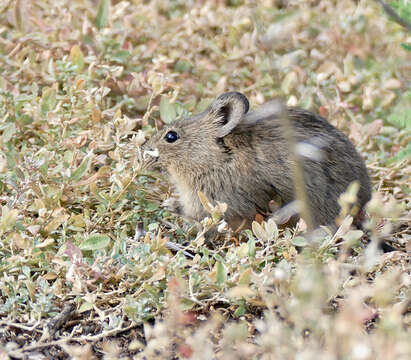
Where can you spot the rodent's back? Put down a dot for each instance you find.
(329, 159)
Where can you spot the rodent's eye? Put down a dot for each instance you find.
(171, 136)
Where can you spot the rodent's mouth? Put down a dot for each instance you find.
(150, 157)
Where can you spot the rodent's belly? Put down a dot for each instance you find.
(188, 198)
(191, 204)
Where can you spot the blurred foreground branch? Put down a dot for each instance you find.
(394, 16)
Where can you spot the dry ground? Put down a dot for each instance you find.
(84, 268)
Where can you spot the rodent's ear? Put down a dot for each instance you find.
(228, 110)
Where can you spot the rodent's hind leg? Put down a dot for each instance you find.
(286, 216)
(239, 223)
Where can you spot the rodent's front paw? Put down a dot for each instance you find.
(172, 204)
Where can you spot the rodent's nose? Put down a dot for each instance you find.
(150, 157)
(150, 154)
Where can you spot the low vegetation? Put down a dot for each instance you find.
(86, 269)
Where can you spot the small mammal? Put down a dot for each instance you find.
(243, 159)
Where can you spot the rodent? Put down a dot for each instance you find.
(242, 158)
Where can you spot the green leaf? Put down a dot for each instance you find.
(401, 119)
(181, 111)
(153, 227)
(8, 219)
(284, 265)
(102, 14)
(221, 274)
(95, 242)
(86, 306)
(48, 100)
(259, 231)
(401, 155)
(352, 236)
(9, 129)
(251, 245)
(406, 46)
(271, 229)
(77, 58)
(167, 110)
(26, 271)
(121, 56)
(245, 277)
(299, 241)
(182, 66)
(240, 310)
(55, 223)
(151, 207)
(403, 8)
(204, 104)
(82, 169)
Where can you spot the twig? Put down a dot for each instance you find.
(20, 326)
(62, 318)
(394, 16)
(81, 339)
(176, 247)
(289, 136)
(192, 297)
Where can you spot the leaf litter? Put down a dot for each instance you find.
(86, 270)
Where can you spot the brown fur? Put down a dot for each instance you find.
(242, 159)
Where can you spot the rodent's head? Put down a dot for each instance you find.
(194, 143)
